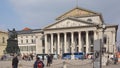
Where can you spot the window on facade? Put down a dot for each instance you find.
(43, 44)
(3, 39)
(43, 50)
(34, 48)
(77, 49)
(21, 41)
(91, 40)
(105, 40)
(84, 49)
(84, 41)
(26, 40)
(32, 40)
(26, 36)
(92, 49)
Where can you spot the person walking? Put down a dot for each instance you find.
(38, 63)
(115, 59)
(15, 62)
(48, 60)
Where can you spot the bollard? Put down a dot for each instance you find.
(64, 64)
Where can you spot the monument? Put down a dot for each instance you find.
(12, 42)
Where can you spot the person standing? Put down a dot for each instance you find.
(115, 59)
(15, 62)
(38, 63)
(48, 60)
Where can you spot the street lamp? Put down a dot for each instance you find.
(101, 46)
(108, 52)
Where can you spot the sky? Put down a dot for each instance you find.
(37, 14)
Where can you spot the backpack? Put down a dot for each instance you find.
(39, 64)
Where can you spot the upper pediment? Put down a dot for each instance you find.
(68, 22)
(77, 12)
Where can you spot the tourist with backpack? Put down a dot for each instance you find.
(38, 63)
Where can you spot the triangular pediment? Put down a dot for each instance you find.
(68, 22)
(77, 12)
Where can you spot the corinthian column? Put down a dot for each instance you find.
(46, 48)
(87, 43)
(51, 43)
(79, 42)
(58, 43)
(65, 39)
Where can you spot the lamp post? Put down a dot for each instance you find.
(101, 46)
(108, 52)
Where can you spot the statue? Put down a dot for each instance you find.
(12, 34)
(12, 42)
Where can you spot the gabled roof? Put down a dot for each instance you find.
(69, 18)
(77, 12)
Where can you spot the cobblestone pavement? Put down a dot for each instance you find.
(58, 64)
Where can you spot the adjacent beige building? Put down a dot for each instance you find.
(3, 42)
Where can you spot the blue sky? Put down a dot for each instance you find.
(40, 13)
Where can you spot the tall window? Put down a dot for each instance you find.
(21, 41)
(26, 40)
(3, 40)
(32, 40)
(84, 40)
(105, 40)
(91, 40)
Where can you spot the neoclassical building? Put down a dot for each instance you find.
(73, 31)
(76, 30)
(30, 41)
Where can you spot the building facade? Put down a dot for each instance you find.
(74, 31)
(3, 42)
(30, 41)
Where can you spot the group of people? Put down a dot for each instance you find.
(37, 64)
(27, 57)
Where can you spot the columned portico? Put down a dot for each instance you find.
(67, 42)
